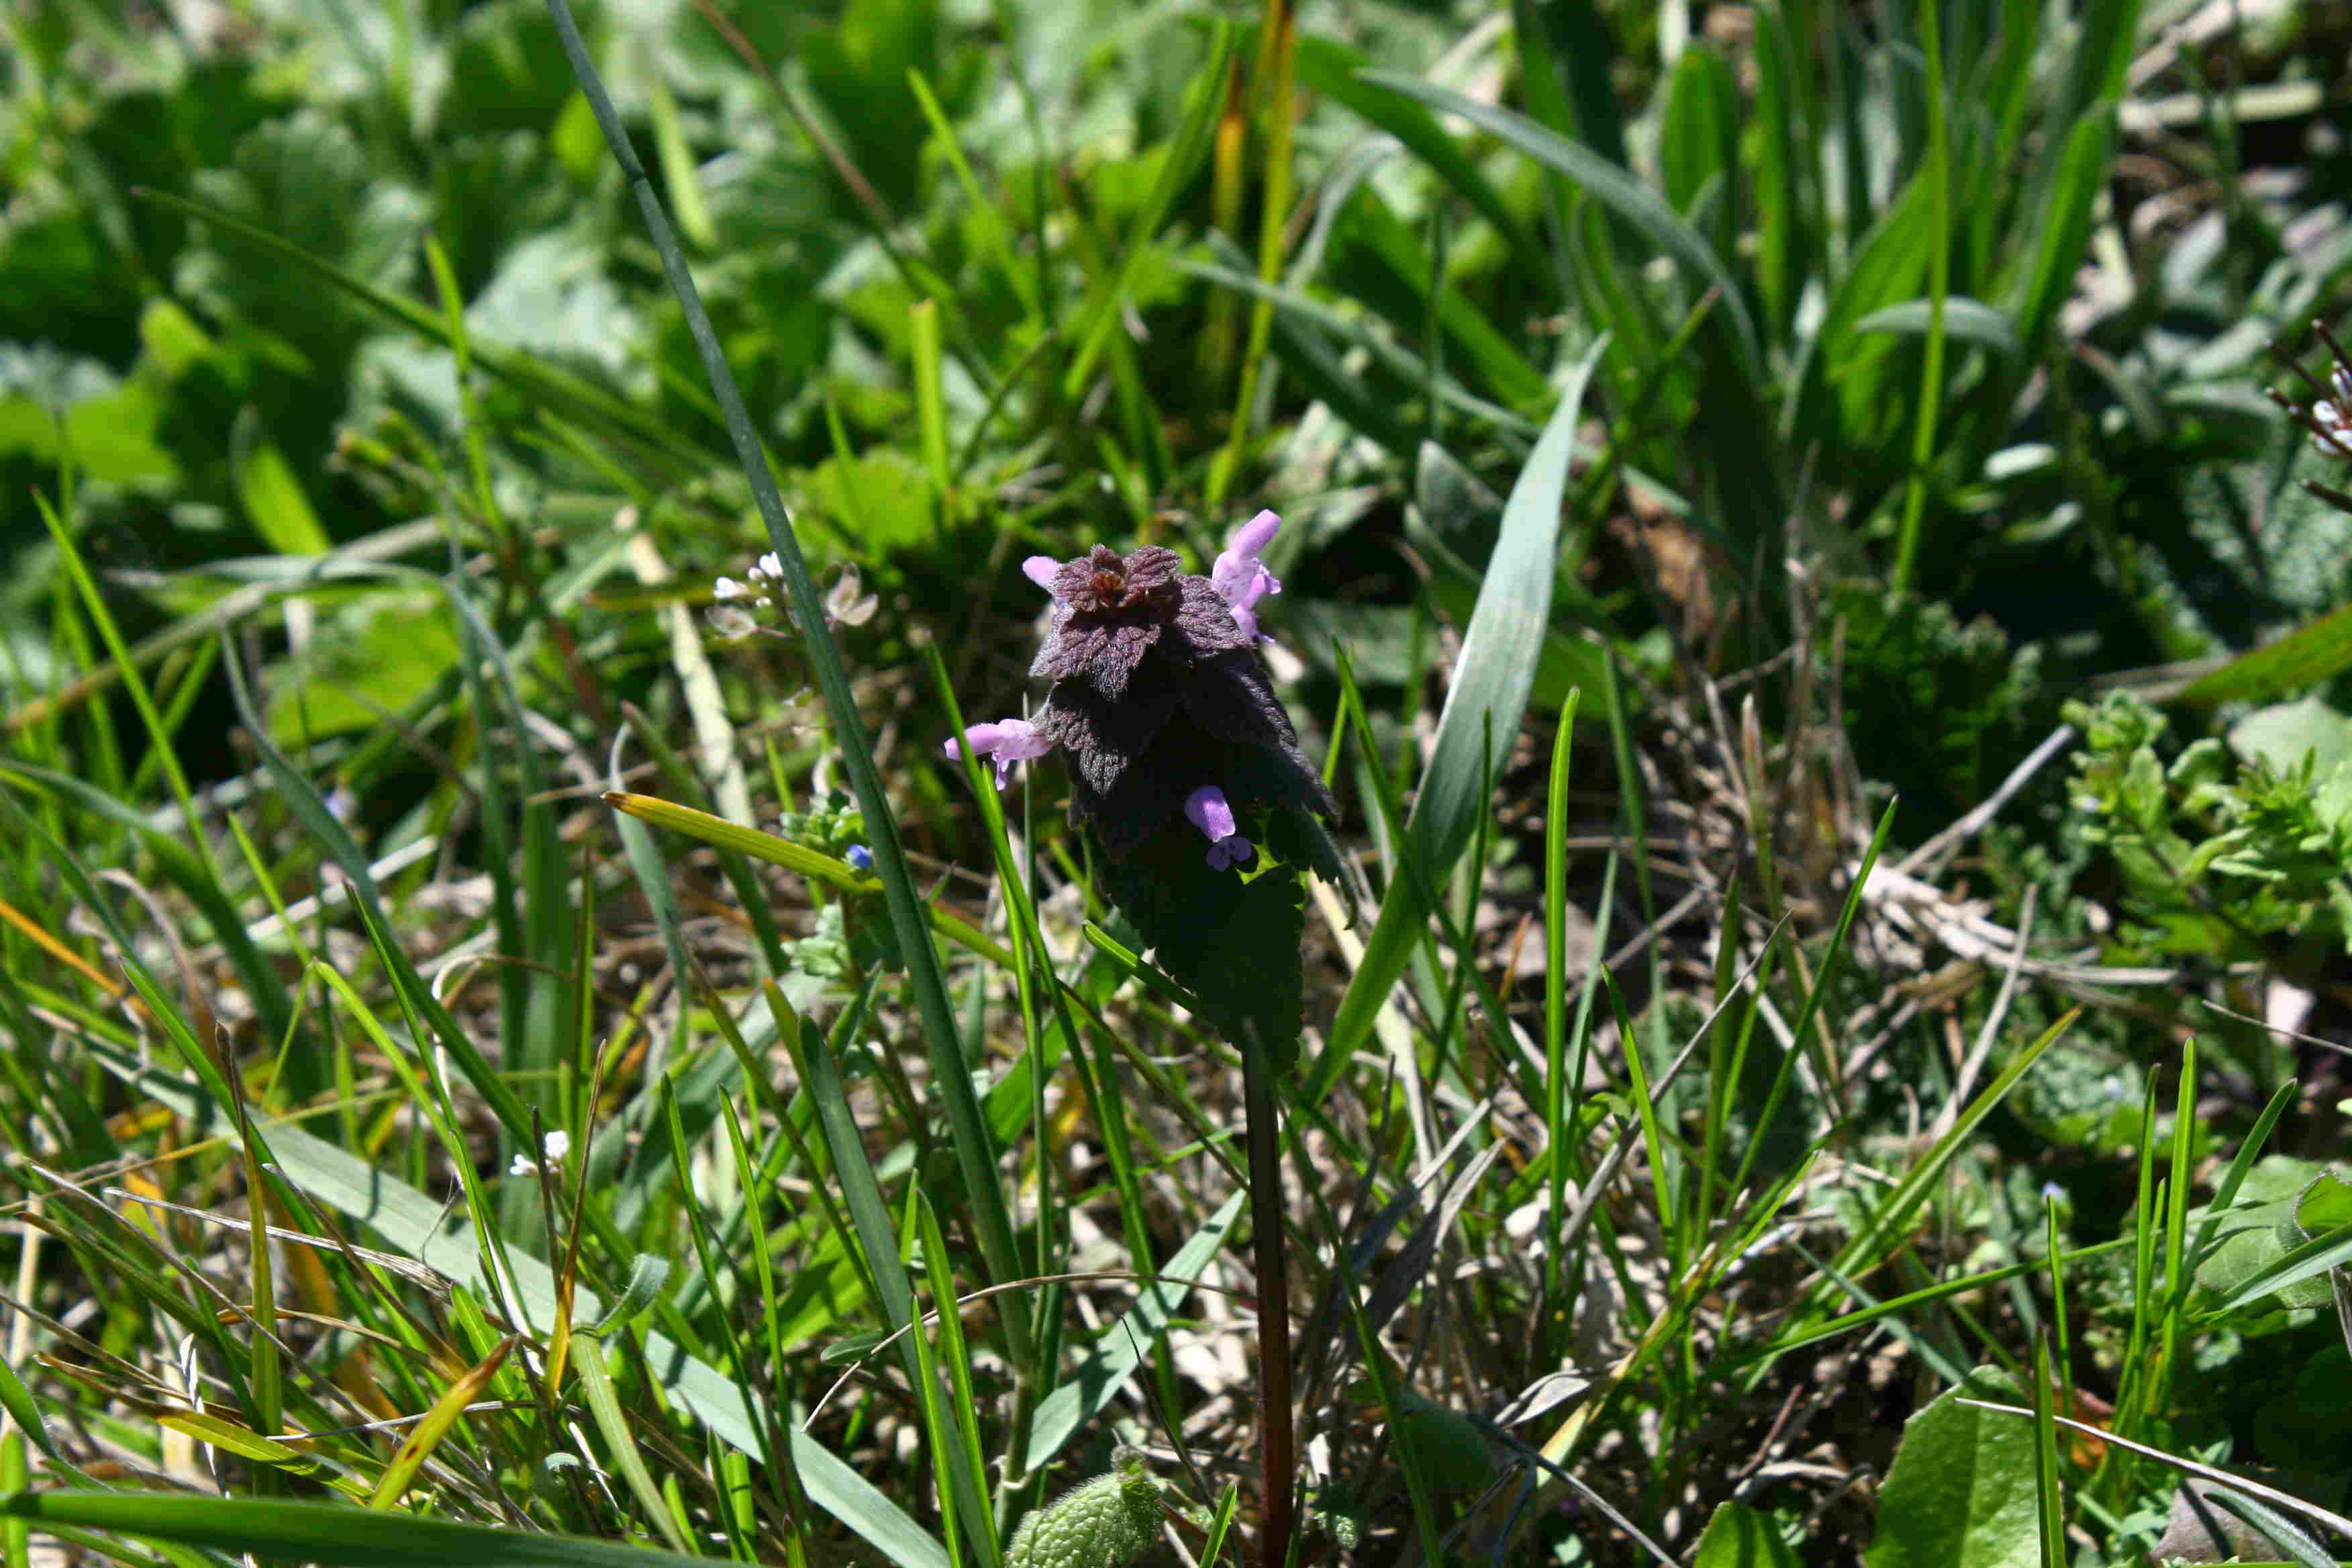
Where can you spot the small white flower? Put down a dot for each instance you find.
(552, 1149)
(728, 588)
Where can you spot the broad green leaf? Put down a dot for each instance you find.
(1481, 718)
(272, 496)
(369, 658)
(882, 496)
(1739, 1537)
(2289, 734)
(1961, 1493)
(109, 435)
(2296, 1266)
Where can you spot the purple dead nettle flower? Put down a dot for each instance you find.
(1239, 578)
(1159, 697)
(1205, 809)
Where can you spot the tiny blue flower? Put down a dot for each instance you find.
(861, 857)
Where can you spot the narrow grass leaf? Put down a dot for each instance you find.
(869, 1214)
(1083, 1393)
(426, 1435)
(1609, 184)
(1481, 718)
(974, 1150)
(1332, 70)
(2331, 1248)
(1567, 52)
(24, 1409)
(2064, 226)
(2275, 1528)
(421, 1228)
(2305, 657)
(721, 834)
(327, 1533)
(1893, 1214)
(1965, 320)
(2050, 1501)
(620, 1443)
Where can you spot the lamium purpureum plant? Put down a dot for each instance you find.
(1187, 779)
(1185, 773)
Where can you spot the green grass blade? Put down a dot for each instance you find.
(326, 1533)
(421, 1228)
(1887, 1219)
(869, 1216)
(1330, 69)
(1938, 175)
(1097, 1380)
(1607, 185)
(1489, 697)
(2305, 657)
(1965, 320)
(1566, 56)
(974, 1149)
(2064, 224)
(2051, 1503)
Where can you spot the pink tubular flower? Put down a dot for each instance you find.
(1207, 810)
(1040, 570)
(1005, 742)
(1239, 578)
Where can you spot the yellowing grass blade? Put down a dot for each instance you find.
(437, 1423)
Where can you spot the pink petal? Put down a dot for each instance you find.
(1239, 577)
(1004, 742)
(1207, 810)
